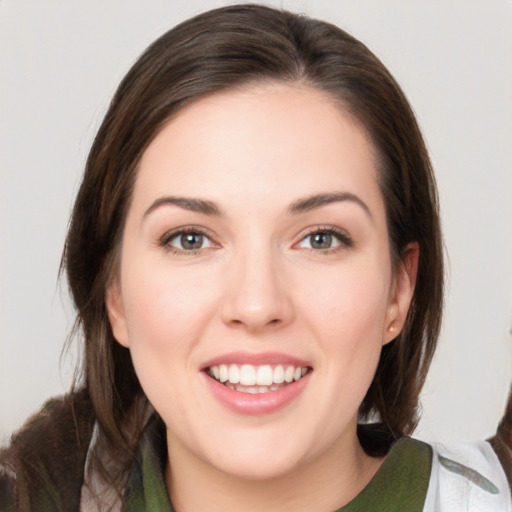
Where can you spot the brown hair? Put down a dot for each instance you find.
(224, 48)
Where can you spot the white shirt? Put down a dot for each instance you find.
(467, 477)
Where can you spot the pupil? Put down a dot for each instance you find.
(321, 241)
(191, 241)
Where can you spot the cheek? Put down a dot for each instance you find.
(162, 308)
(346, 311)
(344, 303)
(164, 328)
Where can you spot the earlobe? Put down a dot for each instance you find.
(115, 311)
(404, 283)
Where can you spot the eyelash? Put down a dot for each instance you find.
(344, 240)
(189, 230)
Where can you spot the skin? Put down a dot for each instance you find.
(258, 283)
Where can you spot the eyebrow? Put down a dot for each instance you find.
(300, 206)
(316, 201)
(187, 203)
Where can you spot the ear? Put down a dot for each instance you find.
(402, 291)
(115, 312)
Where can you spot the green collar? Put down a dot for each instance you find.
(400, 484)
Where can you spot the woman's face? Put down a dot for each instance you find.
(256, 250)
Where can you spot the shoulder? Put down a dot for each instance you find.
(43, 467)
(467, 476)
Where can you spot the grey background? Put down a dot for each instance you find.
(60, 62)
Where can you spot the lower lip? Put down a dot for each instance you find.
(259, 403)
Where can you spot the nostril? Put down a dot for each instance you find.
(237, 322)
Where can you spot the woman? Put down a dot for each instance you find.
(256, 262)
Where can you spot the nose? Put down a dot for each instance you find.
(257, 295)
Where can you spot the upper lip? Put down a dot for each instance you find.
(256, 359)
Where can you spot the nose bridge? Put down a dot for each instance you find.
(256, 294)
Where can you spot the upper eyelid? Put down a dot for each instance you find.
(164, 242)
(186, 229)
(173, 233)
(323, 229)
(344, 236)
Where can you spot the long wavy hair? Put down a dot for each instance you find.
(221, 49)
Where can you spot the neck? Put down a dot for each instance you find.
(326, 483)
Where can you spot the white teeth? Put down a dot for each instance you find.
(247, 375)
(223, 373)
(264, 376)
(256, 379)
(278, 374)
(234, 374)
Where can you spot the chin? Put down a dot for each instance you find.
(259, 457)
(266, 468)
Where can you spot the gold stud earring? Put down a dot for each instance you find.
(391, 328)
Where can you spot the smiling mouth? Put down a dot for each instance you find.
(251, 379)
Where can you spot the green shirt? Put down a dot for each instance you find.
(399, 485)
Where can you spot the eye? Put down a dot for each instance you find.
(187, 241)
(328, 239)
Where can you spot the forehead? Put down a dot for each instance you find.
(260, 143)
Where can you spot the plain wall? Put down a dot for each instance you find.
(61, 62)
